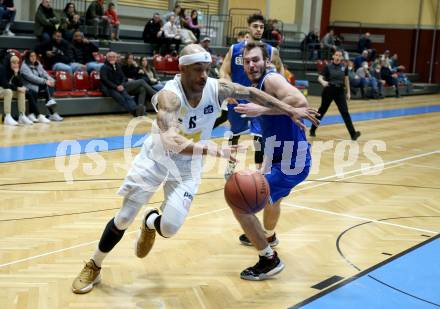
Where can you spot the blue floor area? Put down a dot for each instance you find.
(47, 150)
(412, 279)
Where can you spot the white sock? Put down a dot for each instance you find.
(269, 233)
(98, 257)
(150, 220)
(267, 252)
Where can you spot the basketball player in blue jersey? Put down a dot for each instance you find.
(287, 157)
(232, 69)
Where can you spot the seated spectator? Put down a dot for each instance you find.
(311, 43)
(389, 76)
(172, 35)
(375, 72)
(58, 54)
(186, 35)
(38, 82)
(205, 44)
(177, 12)
(99, 24)
(193, 23)
(367, 80)
(113, 17)
(131, 71)
(149, 74)
(153, 33)
(83, 52)
(360, 59)
(400, 70)
(7, 12)
(114, 83)
(45, 21)
(364, 43)
(354, 79)
(11, 86)
(329, 44)
(277, 37)
(214, 70)
(70, 21)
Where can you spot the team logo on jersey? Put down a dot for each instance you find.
(239, 60)
(188, 195)
(208, 109)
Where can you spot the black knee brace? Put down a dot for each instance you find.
(110, 237)
(259, 149)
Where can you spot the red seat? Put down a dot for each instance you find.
(320, 66)
(63, 84)
(159, 63)
(172, 63)
(95, 84)
(82, 84)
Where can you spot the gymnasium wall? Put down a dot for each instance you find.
(396, 21)
(282, 10)
(249, 4)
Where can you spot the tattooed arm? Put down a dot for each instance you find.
(168, 107)
(271, 104)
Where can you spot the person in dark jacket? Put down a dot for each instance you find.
(83, 52)
(98, 23)
(149, 74)
(364, 43)
(7, 12)
(70, 21)
(113, 84)
(153, 33)
(58, 54)
(11, 85)
(45, 21)
(389, 76)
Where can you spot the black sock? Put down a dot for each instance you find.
(110, 237)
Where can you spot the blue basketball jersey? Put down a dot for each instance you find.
(288, 141)
(238, 75)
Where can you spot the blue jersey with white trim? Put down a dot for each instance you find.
(280, 133)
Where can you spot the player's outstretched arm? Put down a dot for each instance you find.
(168, 107)
(225, 69)
(232, 90)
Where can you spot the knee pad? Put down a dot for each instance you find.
(126, 214)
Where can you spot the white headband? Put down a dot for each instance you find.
(195, 58)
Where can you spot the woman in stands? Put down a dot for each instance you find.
(193, 23)
(70, 21)
(38, 81)
(149, 74)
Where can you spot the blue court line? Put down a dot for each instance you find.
(408, 281)
(48, 150)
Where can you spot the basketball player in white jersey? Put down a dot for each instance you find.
(187, 106)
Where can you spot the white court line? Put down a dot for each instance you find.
(358, 218)
(218, 210)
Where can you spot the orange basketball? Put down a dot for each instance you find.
(247, 191)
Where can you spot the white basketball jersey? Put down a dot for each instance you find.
(195, 123)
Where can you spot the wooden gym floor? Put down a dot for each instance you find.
(342, 222)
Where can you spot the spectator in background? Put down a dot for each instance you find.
(149, 74)
(153, 33)
(375, 72)
(242, 36)
(193, 23)
(70, 21)
(400, 71)
(364, 43)
(45, 22)
(172, 34)
(7, 12)
(205, 44)
(277, 36)
(136, 85)
(58, 54)
(84, 52)
(360, 59)
(311, 43)
(11, 86)
(354, 79)
(389, 76)
(367, 80)
(177, 12)
(214, 70)
(386, 58)
(114, 84)
(38, 82)
(98, 22)
(329, 44)
(113, 17)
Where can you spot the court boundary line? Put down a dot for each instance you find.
(218, 210)
(362, 273)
